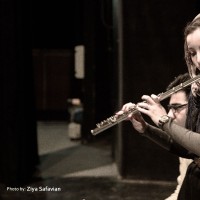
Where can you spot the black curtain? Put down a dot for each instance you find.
(152, 56)
(18, 139)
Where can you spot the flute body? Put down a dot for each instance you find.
(116, 119)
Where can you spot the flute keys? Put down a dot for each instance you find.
(98, 125)
(112, 119)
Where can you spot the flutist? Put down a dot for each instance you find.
(177, 111)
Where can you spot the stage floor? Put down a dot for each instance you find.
(70, 170)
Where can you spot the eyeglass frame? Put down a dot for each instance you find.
(176, 107)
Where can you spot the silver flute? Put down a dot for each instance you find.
(116, 119)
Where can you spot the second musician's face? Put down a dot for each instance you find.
(193, 42)
(178, 115)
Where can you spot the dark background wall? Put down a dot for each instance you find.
(18, 139)
(152, 57)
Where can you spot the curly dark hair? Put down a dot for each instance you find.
(178, 80)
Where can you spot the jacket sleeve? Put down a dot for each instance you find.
(187, 139)
(164, 140)
(158, 136)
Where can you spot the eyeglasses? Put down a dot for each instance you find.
(176, 107)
